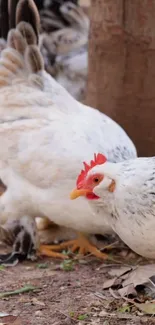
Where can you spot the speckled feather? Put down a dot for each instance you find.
(65, 51)
(130, 209)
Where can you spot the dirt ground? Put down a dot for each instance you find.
(65, 294)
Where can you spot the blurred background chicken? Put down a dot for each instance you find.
(65, 49)
(63, 41)
(45, 134)
(125, 193)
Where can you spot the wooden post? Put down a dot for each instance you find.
(121, 80)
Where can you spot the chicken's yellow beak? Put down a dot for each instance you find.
(76, 193)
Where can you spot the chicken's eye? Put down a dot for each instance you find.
(96, 180)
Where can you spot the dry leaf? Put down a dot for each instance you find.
(112, 283)
(8, 318)
(17, 322)
(128, 290)
(120, 271)
(147, 308)
(127, 279)
(140, 275)
(114, 293)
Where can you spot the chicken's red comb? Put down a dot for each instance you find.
(99, 159)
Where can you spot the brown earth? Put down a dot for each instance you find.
(64, 297)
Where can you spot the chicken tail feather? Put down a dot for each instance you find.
(27, 32)
(16, 41)
(22, 61)
(34, 59)
(12, 6)
(27, 12)
(4, 19)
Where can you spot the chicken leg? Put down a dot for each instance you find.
(81, 244)
(48, 250)
(51, 251)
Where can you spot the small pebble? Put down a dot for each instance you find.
(38, 313)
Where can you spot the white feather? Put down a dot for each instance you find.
(130, 209)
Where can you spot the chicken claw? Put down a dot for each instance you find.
(81, 244)
(85, 247)
(48, 250)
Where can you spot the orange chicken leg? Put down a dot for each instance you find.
(80, 244)
(48, 250)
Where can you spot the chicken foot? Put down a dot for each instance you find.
(50, 251)
(81, 244)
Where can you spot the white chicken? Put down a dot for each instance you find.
(125, 193)
(44, 135)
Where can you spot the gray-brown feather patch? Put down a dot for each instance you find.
(3, 188)
(36, 81)
(34, 59)
(8, 65)
(16, 41)
(11, 55)
(27, 32)
(27, 11)
(12, 5)
(6, 236)
(3, 82)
